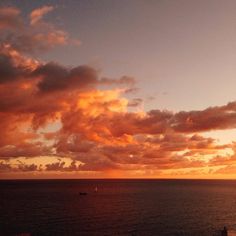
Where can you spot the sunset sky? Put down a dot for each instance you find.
(118, 89)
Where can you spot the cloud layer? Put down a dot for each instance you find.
(65, 114)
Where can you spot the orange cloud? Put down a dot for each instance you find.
(47, 109)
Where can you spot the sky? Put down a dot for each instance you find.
(117, 89)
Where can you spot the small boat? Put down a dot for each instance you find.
(83, 193)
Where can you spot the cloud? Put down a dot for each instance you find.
(124, 80)
(135, 102)
(34, 37)
(55, 77)
(8, 70)
(227, 170)
(37, 14)
(26, 168)
(96, 127)
(5, 167)
(212, 118)
(20, 167)
(10, 18)
(48, 109)
(56, 166)
(31, 42)
(23, 149)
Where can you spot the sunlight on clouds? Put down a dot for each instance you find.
(222, 136)
(71, 121)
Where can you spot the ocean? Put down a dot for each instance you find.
(118, 207)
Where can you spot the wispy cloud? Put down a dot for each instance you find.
(37, 14)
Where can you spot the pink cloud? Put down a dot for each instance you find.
(37, 14)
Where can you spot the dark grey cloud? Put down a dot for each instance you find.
(9, 72)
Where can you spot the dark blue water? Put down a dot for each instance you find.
(120, 207)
